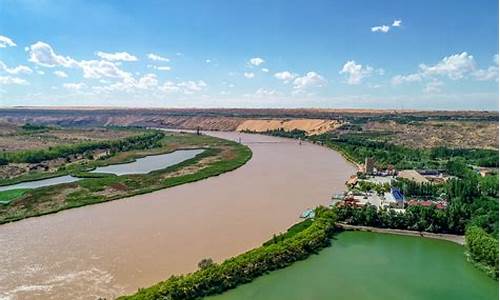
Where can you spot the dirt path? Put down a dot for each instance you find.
(459, 239)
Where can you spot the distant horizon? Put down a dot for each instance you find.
(344, 109)
(424, 55)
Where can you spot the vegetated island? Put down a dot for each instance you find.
(80, 157)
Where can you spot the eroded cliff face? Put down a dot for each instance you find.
(220, 120)
(462, 129)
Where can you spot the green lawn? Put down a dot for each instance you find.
(7, 196)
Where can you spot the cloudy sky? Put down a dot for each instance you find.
(281, 53)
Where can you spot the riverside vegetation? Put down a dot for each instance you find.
(37, 144)
(213, 278)
(219, 156)
(472, 200)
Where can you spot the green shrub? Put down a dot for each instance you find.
(483, 249)
(217, 278)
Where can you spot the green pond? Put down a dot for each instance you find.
(365, 265)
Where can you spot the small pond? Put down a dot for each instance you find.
(142, 165)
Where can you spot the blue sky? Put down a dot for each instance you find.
(214, 53)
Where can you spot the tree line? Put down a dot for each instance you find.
(362, 145)
(213, 278)
(147, 140)
(483, 249)
(472, 200)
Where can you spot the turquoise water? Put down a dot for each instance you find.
(364, 265)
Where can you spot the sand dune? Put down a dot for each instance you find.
(311, 126)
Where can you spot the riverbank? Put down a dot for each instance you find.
(150, 237)
(212, 278)
(374, 266)
(458, 239)
(219, 157)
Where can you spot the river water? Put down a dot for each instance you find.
(375, 266)
(108, 249)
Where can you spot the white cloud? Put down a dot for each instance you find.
(433, 87)
(16, 70)
(42, 54)
(101, 68)
(130, 84)
(386, 28)
(60, 74)
(147, 81)
(399, 79)
(169, 87)
(311, 79)
(356, 73)
(249, 75)
(396, 23)
(454, 66)
(266, 93)
(163, 68)
(157, 57)
(285, 76)
(74, 86)
(160, 68)
(117, 56)
(256, 61)
(192, 86)
(208, 61)
(187, 87)
(487, 74)
(6, 42)
(5, 80)
(382, 28)
(265, 70)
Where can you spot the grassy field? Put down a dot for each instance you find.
(7, 196)
(219, 156)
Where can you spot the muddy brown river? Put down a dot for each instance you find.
(106, 250)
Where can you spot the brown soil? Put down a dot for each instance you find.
(430, 134)
(13, 138)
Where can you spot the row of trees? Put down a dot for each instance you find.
(416, 189)
(361, 145)
(144, 141)
(472, 200)
(482, 157)
(419, 218)
(34, 127)
(214, 278)
(483, 249)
